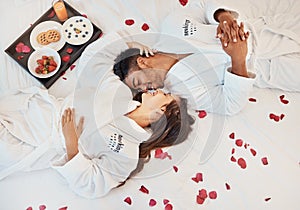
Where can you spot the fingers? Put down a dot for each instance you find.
(147, 51)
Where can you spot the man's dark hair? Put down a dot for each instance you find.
(125, 61)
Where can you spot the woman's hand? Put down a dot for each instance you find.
(71, 131)
(143, 48)
(228, 28)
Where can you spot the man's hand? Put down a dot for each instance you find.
(71, 131)
(143, 48)
(228, 28)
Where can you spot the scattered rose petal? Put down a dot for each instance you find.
(145, 27)
(227, 186)
(232, 151)
(152, 202)
(84, 15)
(233, 159)
(29, 208)
(200, 200)
(198, 178)
(129, 22)
(246, 145)
(19, 47)
(267, 199)
(239, 142)
(212, 194)
(202, 114)
(183, 2)
(169, 207)
(69, 50)
(175, 168)
(264, 160)
(26, 49)
(161, 155)
(66, 58)
(144, 189)
(64, 78)
(62, 73)
(284, 101)
(274, 117)
(51, 14)
(202, 193)
(72, 67)
(42, 207)
(231, 136)
(242, 163)
(63, 208)
(282, 116)
(20, 57)
(252, 99)
(165, 201)
(128, 200)
(253, 151)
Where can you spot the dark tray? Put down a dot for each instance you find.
(77, 49)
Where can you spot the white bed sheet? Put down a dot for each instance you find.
(273, 186)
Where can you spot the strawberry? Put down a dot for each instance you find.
(51, 68)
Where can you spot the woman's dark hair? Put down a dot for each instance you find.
(125, 61)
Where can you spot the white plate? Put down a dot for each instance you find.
(44, 27)
(32, 61)
(77, 30)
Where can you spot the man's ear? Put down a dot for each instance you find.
(142, 62)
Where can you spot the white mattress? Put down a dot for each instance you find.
(170, 181)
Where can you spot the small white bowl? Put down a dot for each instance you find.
(37, 54)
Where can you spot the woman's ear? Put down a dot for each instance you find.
(142, 62)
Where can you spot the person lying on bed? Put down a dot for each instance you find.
(208, 77)
(102, 150)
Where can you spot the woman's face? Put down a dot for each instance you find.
(157, 100)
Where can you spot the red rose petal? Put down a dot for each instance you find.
(253, 151)
(158, 153)
(231, 136)
(232, 151)
(199, 200)
(51, 14)
(239, 142)
(129, 22)
(72, 67)
(144, 189)
(145, 27)
(183, 2)
(42, 207)
(29, 208)
(267, 199)
(233, 159)
(152, 202)
(128, 200)
(198, 178)
(84, 15)
(165, 201)
(64, 78)
(69, 50)
(202, 193)
(202, 114)
(252, 99)
(212, 194)
(175, 168)
(281, 97)
(19, 47)
(66, 58)
(20, 57)
(227, 186)
(169, 207)
(284, 101)
(26, 49)
(63, 208)
(264, 160)
(242, 163)
(282, 116)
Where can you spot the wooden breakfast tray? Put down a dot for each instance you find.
(22, 58)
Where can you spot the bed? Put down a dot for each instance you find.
(247, 161)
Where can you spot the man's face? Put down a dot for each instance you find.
(144, 79)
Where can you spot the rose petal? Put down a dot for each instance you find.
(129, 22)
(175, 168)
(200, 200)
(239, 142)
(152, 202)
(19, 47)
(128, 200)
(29, 208)
(264, 160)
(198, 178)
(202, 193)
(63, 208)
(66, 58)
(284, 101)
(42, 207)
(212, 194)
(282, 116)
(158, 153)
(252, 99)
(183, 2)
(26, 49)
(231, 135)
(145, 27)
(233, 159)
(84, 15)
(144, 189)
(72, 67)
(169, 207)
(20, 57)
(253, 151)
(232, 151)
(227, 186)
(51, 14)
(165, 201)
(69, 50)
(267, 199)
(242, 163)
(202, 114)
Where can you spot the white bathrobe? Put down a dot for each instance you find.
(31, 136)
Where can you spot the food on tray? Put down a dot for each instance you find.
(46, 65)
(45, 38)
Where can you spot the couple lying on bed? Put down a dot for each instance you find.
(117, 134)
